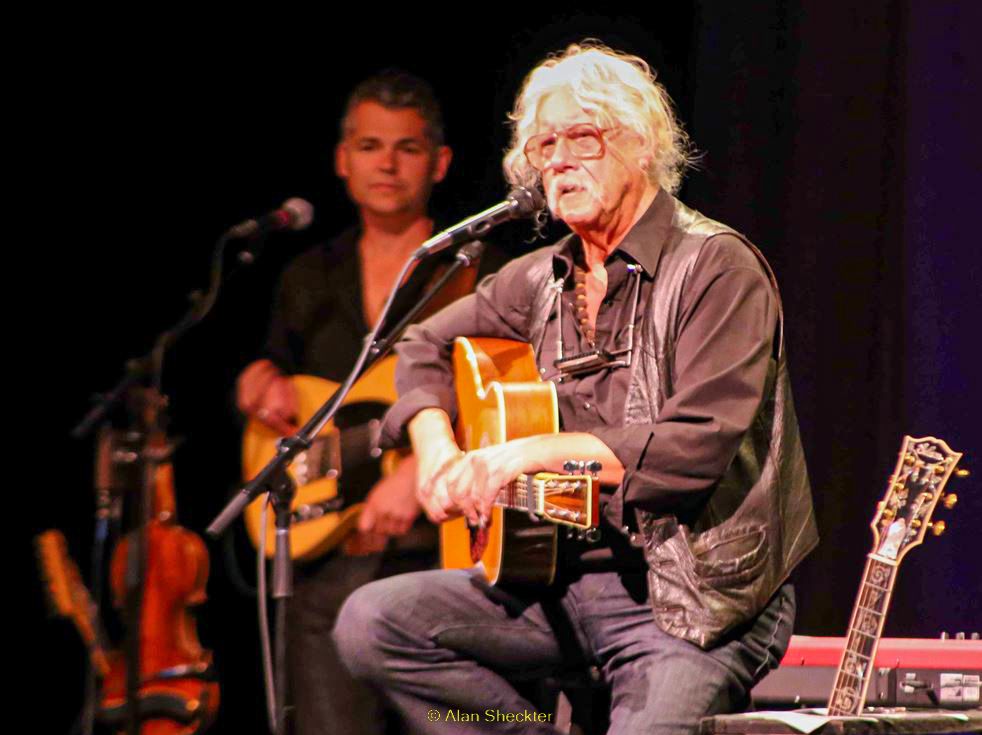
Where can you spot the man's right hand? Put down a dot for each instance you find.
(265, 393)
(436, 451)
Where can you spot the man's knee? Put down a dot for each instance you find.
(359, 631)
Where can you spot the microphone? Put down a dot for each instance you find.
(294, 214)
(520, 202)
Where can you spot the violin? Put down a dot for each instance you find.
(176, 688)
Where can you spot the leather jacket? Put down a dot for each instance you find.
(718, 570)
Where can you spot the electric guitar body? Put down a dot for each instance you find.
(346, 451)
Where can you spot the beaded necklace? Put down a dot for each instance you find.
(582, 316)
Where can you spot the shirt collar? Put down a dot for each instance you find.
(643, 244)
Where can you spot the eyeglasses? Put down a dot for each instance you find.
(594, 360)
(584, 140)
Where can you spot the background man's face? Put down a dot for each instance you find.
(387, 161)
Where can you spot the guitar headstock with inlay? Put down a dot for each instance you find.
(916, 486)
(901, 521)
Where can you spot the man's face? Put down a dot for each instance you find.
(387, 161)
(586, 192)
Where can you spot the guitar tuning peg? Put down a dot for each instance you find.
(937, 527)
(594, 467)
(573, 465)
(949, 500)
(962, 473)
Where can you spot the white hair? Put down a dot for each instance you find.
(619, 89)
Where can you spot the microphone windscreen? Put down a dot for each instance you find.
(301, 213)
(529, 201)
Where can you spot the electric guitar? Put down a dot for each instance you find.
(500, 397)
(902, 519)
(346, 450)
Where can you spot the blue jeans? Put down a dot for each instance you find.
(442, 646)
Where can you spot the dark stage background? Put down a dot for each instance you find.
(843, 140)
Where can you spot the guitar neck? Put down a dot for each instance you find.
(521, 494)
(541, 495)
(865, 628)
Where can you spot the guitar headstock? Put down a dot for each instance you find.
(58, 572)
(572, 499)
(916, 486)
(66, 593)
(567, 499)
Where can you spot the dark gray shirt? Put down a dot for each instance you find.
(726, 335)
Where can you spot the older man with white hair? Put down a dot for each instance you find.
(679, 389)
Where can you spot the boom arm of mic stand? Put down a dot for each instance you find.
(466, 257)
(289, 447)
(142, 368)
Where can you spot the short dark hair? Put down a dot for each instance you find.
(398, 89)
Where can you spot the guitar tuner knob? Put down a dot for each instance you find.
(962, 473)
(937, 528)
(950, 499)
(573, 465)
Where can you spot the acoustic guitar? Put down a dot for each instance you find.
(901, 521)
(500, 397)
(346, 451)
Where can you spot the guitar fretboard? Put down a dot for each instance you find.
(519, 494)
(529, 493)
(866, 625)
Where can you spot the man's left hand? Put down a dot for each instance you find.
(391, 507)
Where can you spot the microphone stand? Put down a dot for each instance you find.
(273, 478)
(138, 372)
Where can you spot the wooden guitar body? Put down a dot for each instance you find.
(316, 471)
(501, 397)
